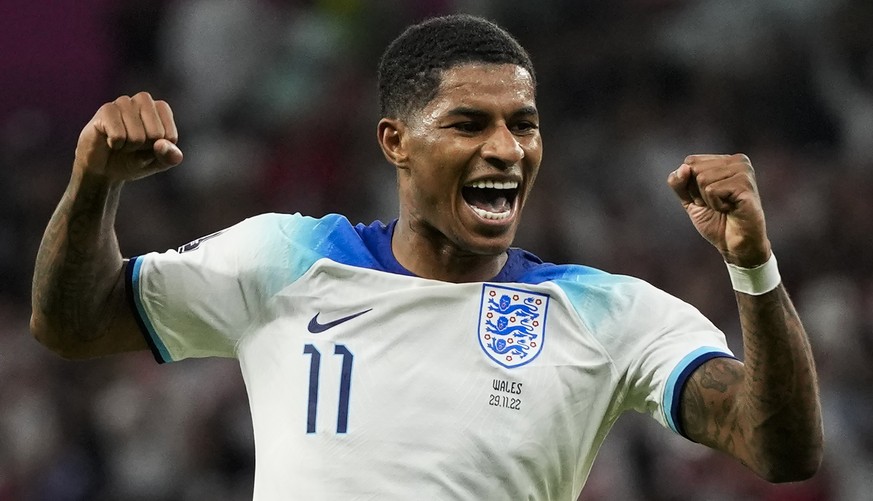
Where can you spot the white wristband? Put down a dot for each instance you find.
(755, 281)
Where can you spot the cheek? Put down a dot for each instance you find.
(437, 194)
(429, 188)
(533, 149)
(438, 170)
(532, 167)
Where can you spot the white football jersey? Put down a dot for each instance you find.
(367, 382)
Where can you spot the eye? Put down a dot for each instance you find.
(524, 127)
(468, 126)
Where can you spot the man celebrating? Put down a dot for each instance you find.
(426, 358)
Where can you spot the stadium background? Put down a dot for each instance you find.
(276, 105)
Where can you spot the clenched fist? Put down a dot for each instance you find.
(720, 195)
(129, 138)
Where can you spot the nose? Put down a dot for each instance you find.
(502, 148)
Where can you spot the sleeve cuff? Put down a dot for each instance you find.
(676, 383)
(131, 283)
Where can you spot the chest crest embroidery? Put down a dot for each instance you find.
(512, 324)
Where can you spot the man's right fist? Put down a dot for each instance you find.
(129, 138)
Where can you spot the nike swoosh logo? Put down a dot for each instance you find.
(315, 326)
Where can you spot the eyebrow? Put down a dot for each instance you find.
(477, 113)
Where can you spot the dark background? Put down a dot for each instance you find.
(276, 106)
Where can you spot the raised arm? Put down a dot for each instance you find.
(764, 412)
(79, 305)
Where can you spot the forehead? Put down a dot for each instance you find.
(483, 84)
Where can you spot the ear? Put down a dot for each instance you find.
(390, 133)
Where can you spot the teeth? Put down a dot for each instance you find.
(508, 185)
(496, 216)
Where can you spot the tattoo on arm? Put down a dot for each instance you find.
(767, 411)
(77, 249)
(706, 411)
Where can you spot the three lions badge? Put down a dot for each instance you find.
(512, 324)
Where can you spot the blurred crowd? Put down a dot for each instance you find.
(276, 105)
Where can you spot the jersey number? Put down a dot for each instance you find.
(342, 418)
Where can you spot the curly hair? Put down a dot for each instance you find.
(411, 67)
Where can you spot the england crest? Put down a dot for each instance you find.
(512, 324)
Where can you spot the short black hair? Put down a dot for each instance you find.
(411, 67)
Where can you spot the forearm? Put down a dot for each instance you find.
(779, 401)
(766, 412)
(78, 267)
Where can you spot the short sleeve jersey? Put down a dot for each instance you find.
(366, 382)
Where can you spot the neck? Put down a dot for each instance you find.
(429, 254)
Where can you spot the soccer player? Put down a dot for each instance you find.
(427, 358)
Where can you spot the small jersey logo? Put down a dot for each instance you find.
(316, 327)
(512, 324)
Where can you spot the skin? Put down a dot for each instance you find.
(766, 412)
(482, 124)
(78, 296)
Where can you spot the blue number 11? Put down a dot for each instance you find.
(342, 418)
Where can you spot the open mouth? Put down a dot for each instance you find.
(492, 200)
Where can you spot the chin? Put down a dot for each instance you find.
(485, 245)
